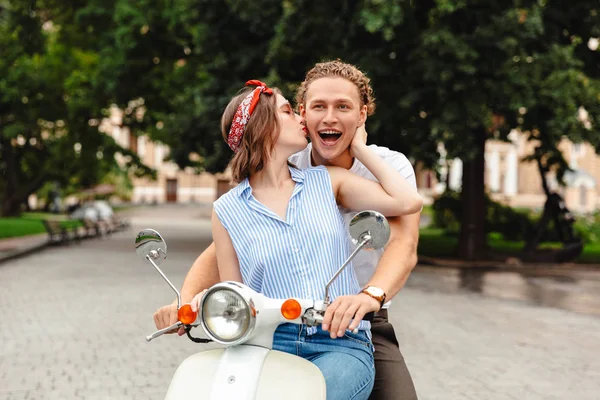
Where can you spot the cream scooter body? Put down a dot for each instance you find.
(252, 370)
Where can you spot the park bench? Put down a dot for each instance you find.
(119, 224)
(91, 228)
(60, 234)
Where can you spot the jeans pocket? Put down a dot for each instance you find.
(359, 338)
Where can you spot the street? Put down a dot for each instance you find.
(74, 321)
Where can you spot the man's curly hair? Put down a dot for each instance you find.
(339, 69)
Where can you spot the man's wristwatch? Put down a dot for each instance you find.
(376, 293)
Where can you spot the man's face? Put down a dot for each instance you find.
(332, 111)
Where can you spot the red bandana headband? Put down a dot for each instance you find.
(243, 113)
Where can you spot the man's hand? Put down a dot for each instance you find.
(360, 138)
(167, 316)
(346, 309)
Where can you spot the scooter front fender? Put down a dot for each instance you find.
(246, 373)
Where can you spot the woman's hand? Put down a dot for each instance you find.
(359, 140)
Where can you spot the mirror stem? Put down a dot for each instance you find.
(366, 238)
(149, 258)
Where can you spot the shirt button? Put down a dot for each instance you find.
(296, 250)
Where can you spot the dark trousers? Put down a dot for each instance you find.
(392, 379)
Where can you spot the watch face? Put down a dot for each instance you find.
(375, 291)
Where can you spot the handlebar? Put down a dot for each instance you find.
(161, 332)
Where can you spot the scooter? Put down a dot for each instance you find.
(244, 321)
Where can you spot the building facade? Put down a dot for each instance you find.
(172, 185)
(518, 183)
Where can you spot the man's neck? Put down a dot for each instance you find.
(344, 160)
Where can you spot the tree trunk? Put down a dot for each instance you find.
(15, 193)
(472, 243)
(10, 207)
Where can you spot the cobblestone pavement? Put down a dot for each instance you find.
(73, 321)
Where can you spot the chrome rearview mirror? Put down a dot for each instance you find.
(370, 227)
(369, 230)
(151, 246)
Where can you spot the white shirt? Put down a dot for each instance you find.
(365, 262)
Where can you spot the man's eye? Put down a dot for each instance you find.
(318, 107)
(343, 106)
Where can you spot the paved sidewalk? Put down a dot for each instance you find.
(74, 320)
(19, 246)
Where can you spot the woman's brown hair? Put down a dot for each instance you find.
(260, 133)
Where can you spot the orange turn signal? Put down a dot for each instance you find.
(185, 315)
(291, 309)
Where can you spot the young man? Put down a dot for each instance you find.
(333, 99)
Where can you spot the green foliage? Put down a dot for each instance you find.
(508, 223)
(51, 101)
(444, 71)
(511, 224)
(588, 228)
(30, 224)
(438, 243)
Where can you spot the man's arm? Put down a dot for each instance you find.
(202, 275)
(400, 255)
(397, 261)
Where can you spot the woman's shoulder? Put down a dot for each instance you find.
(316, 170)
(310, 173)
(233, 195)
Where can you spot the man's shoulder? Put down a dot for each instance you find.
(397, 160)
(301, 159)
(389, 155)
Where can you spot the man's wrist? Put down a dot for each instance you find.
(376, 294)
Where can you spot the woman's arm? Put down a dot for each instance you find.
(227, 261)
(392, 196)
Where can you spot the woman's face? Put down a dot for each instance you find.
(293, 132)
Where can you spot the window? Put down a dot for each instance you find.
(583, 196)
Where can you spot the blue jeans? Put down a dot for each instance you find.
(346, 363)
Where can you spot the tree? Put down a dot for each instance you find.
(49, 109)
(457, 72)
(478, 70)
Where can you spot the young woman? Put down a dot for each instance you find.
(281, 233)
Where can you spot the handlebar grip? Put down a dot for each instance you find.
(161, 332)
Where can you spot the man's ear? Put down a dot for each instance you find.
(363, 115)
(302, 110)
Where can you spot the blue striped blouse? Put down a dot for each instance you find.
(295, 257)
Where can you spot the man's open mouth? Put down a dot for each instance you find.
(329, 137)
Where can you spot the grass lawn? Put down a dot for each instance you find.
(434, 242)
(30, 224)
(427, 210)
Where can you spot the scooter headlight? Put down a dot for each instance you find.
(227, 316)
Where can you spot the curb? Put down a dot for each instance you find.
(23, 251)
